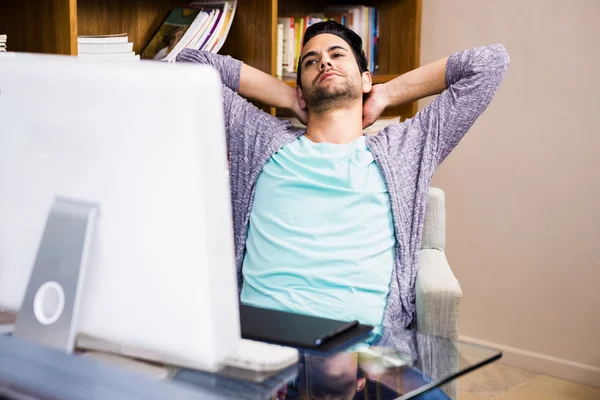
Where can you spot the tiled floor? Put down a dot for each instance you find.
(501, 382)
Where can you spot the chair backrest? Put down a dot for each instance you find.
(434, 226)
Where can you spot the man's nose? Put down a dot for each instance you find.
(325, 62)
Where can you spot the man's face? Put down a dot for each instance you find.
(330, 74)
(333, 377)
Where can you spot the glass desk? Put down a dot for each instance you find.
(399, 365)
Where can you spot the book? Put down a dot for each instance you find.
(219, 34)
(209, 27)
(361, 19)
(106, 47)
(110, 56)
(205, 18)
(103, 39)
(279, 62)
(99, 48)
(210, 41)
(298, 35)
(174, 34)
(201, 25)
(285, 45)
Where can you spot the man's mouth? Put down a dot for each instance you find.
(327, 75)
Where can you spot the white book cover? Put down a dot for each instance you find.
(279, 62)
(216, 15)
(209, 27)
(118, 38)
(96, 57)
(285, 61)
(228, 13)
(3, 38)
(290, 52)
(108, 56)
(186, 39)
(216, 29)
(103, 48)
(205, 16)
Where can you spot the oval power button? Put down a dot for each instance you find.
(49, 303)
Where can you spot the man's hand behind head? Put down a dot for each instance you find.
(374, 104)
(298, 111)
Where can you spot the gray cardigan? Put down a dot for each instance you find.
(407, 154)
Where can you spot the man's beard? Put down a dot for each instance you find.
(321, 99)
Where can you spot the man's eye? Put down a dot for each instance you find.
(336, 55)
(310, 62)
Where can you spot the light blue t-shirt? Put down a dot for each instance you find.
(321, 237)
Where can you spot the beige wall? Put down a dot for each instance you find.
(523, 187)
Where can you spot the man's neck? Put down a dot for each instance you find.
(338, 126)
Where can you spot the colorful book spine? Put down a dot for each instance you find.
(361, 19)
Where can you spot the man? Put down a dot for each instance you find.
(328, 221)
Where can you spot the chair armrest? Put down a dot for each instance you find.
(438, 296)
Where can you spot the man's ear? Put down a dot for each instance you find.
(360, 384)
(301, 101)
(367, 81)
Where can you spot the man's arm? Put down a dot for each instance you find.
(411, 86)
(248, 81)
(229, 68)
(266, 89)
(465, 81)
(422, 82)
(249, 131)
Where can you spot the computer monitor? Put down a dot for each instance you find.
(146, 143)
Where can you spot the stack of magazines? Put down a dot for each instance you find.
(106, 47)
(201, 25)
(2, 43)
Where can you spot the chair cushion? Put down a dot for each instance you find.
(434, 226)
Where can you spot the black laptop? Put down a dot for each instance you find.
(300, 331)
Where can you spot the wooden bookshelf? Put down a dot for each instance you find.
(52, 26)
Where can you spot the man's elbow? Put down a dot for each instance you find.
(499, 60)
(192, 55)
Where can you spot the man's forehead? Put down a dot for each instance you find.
(324, 41)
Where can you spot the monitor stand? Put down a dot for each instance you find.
(49, 310)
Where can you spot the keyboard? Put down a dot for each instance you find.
(262, 357)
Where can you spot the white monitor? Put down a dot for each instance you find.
(146, 142)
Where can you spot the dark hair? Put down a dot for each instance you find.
(315, 384)
(334, 28)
